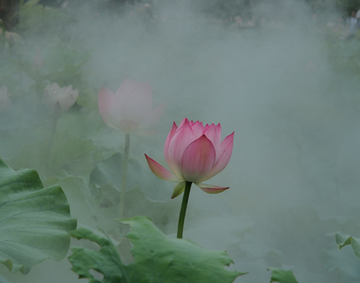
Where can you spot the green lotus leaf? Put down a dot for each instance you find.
(157, 258)
(109, 171)
(282, 276)
(345, 265)
(344, 240)
(3, 280)
(34, 221)
(68, 151)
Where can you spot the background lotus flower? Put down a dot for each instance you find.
(194, 153)
(130, 108)
(59, 99)
(4, 98)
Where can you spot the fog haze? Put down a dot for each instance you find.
(294, 170)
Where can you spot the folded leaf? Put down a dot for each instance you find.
(34, 221)
(344, 240)
(282, 276)
(158, 258)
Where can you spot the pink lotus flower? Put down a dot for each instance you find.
(59, 99)
(4, 98)
(130, 108)
(194, 153)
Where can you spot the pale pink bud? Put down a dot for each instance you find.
(130, 108)
(59, 99)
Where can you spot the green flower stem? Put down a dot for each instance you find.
(37, 92)
(49, 145)
(124, 175)
(183, 210)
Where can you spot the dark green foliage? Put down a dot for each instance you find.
(344, 240)
(157, 258)
(34, 221)
(282, 276)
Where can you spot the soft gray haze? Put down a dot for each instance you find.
(294, 171)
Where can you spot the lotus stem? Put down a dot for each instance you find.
(124, 175)
(49, 145)
(183, 210)
(337, 189)
(37, 87)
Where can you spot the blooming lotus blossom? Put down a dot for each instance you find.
(194, 153)
(59, 99)
(130, 108)
(4, 98)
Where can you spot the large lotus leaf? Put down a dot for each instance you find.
(59, 57)
(109, 171)
(106, 260)
(9, 76)
(3, 280)
(34, 221)
(250, 251)
(87, 209)
(40, 18)
(252, 254)
(69, 152)
(89, 98)
(158, 258)
(177, 260)
(81, 123)
(345, 265)
(142, 198)
(282, 276)
(164, 214)
(56, 60)
(59, 64)
(100, 211)
(69, 75)
(344, 240)
(73, 153)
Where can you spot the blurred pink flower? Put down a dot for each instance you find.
(194, 153)
(59, 99)
(130, 108)
(4, 98)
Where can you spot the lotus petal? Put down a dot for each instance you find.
(225, 151)
(198, 159)
(160, 171)
(130, 108)
(211, 189)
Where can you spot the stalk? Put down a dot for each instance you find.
(37, 87)
(124, 175)
(49, 145)
(183, 210)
